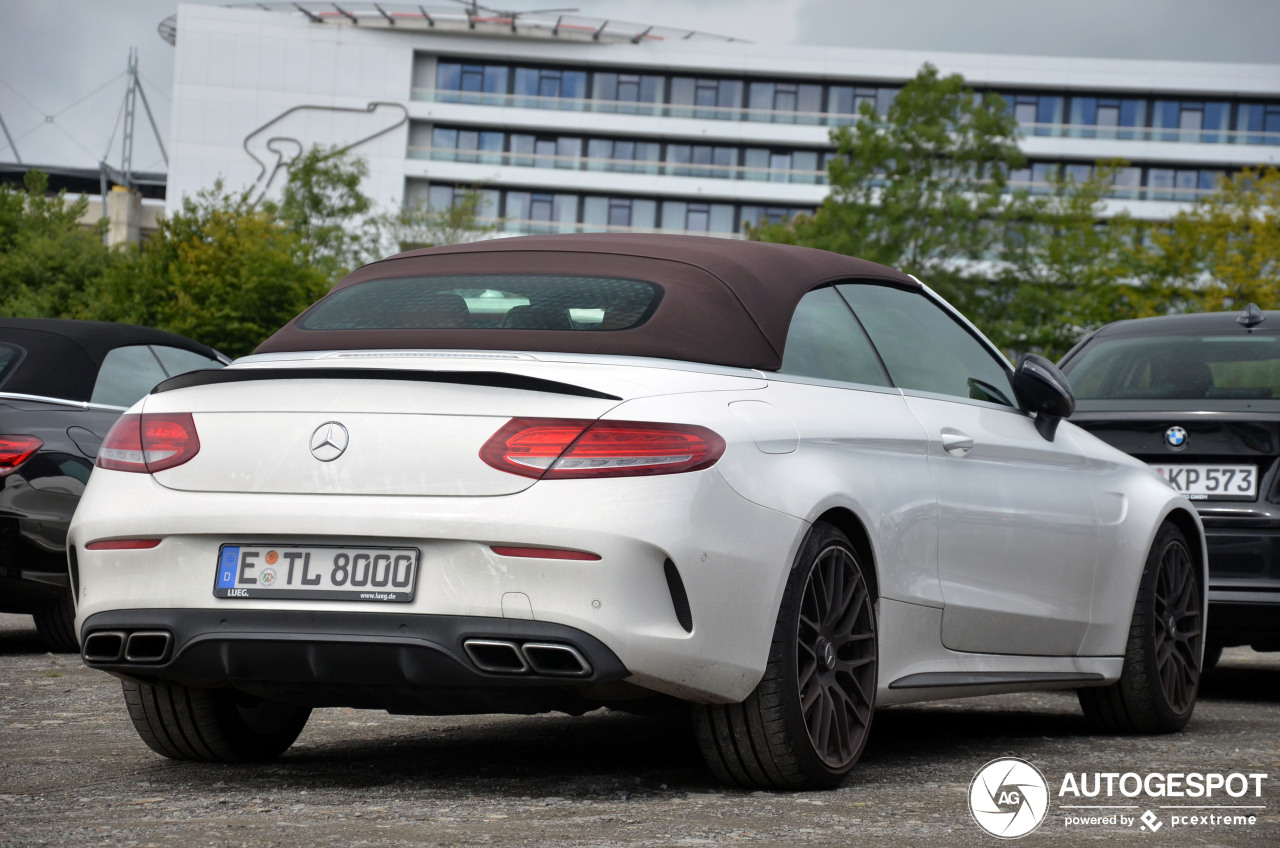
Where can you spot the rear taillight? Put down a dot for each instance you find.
(150, 442)
(559, 448)
(15, 450)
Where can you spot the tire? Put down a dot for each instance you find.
(1212, 653)
(212, 725)
(56, 624)
(1156, 692)
(805, 725)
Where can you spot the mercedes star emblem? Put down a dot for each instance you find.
(329, 441)
(1175, 437)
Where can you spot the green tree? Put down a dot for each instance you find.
(1072, 270)
(46, 257)
(920, 188)
(218, 270)
(1224, 252)
(420, 226)
(927, 189)
(322, 203)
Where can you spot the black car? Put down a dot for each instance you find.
(1197, 397)
(62, 385)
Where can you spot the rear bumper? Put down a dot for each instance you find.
(731, 555)
(402, 662)
(33, 567)
(1244, 585)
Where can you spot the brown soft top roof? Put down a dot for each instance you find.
(725, 301)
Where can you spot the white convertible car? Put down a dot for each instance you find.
(564, 472)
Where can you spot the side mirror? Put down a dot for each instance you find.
(1043, 389)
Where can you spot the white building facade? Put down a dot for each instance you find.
(568, 124)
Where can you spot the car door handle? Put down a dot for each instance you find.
(956, 443)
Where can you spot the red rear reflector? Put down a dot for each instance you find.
(558, 448)
(542, 553)
(149, 442)
(122, 545)
(15, 450)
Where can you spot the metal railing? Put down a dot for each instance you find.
(528, 227)
(651, 167)
(827, 119)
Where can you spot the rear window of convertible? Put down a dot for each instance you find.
(489, 302)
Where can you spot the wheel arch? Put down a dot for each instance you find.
(1190, 527)
(852, 527)
(1192, 530)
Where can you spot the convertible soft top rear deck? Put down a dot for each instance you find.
(724, 302)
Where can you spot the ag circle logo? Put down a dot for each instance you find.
(1008, 798)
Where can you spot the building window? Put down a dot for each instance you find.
(431, 197)
(1126, 183)
(606, 154)
(1180, 184)
(617, 213)
(463, 145)
(553, 88)
(1191, 121)
(547, 212)
(701, 160)
(546, 151)
(621, 91)
(697, 217)
(759, 215)
(1108, 115)
(542, 212)
(715, 99)
(1254, 119)
(1039, 114)
(784, 102)
(473, 83)
(848, 99)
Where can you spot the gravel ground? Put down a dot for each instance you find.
(73, 773)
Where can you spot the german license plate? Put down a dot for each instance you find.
(1204, 482)
(317, 573)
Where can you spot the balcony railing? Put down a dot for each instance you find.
(527, 227)
(621, 107)
(827, 119)
(741, 172)
(621, 166)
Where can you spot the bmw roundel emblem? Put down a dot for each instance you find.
(1175, 437)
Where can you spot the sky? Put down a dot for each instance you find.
(62, 62)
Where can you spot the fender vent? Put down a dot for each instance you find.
(679, 598)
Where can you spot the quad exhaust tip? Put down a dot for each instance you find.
(556, 659)
(141, 646)
(551, 659)
(148, 646)
(496, 656)
(104, 646)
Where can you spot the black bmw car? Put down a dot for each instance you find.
(62, 385)
(1197, 397)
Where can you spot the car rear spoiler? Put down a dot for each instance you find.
(496, 379)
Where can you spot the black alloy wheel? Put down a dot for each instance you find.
(835, 657)
(1156, 692)
(1178, 629)
(806, 722)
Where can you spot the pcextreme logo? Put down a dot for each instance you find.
(1010, 798)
